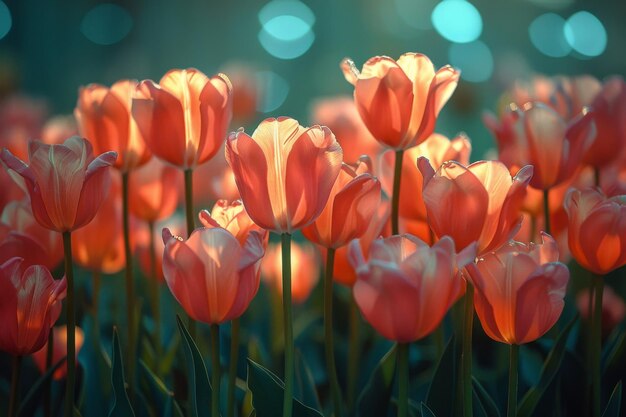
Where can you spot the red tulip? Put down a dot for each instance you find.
(184, 118)
(597, 229)
(65, 182)
(399, 101)
(479, 203)
(212, 275)
(405, 287)
(519, 290)
(104, 117)
(30, 304)
(284, 172)
(59, 350)
(352, 203)
(155, 191)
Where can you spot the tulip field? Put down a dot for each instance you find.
(163, 255)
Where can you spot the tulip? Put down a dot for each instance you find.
(104, 116)
(613, 308)
(59, 351)
(214, 181)
(21, 119)
(399, 101)
(58, 128)
(480, 202)
(155, 191)
(246, 91)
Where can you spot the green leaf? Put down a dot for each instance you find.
(167, 396)
(612, 353)
(427, 412)
(121, 406)
(199, 385)
(615, 402)
(441, 393)
(35, 390)
(375, 398)
(268, 392)
(550, 368)
(304, 387)
(484, 399)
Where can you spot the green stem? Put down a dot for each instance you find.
(154, 291)
(403, 379)
(130, 289)
(47, 389)
(215, 365)
(71, 326)
(232, 369)
(355, 353)
(466, 356)
(329, 345)
(596, 344)
(395, 198)
(596, 176)
(288, 324)
(513, 369)
(15, 385)
(191, 324)
(546, 211)
(439, 340)
(97, 281)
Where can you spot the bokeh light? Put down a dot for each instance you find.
(106, 24)
(287, 28)
(585, 34)
(273, 91)
(547, 35)
(474, 59)
(457, 21)
(5, 20)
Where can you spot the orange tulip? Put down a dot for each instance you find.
(246, 91)
(399, 101)
(184, 118)
(613, 308)
(405, 287)
(59, 350)
(11, 191)
(58, 128)
(480, 202)
(437, 149)
(176, 225)
(284, 172)
(352, 203)
(214, 181)
(342, 117)
(305, 270)
(21, 120)
(519, 290)
(536, 135)
(232, 217)
(104, 117)
(212, 275)
(30, 304)
(597, 229)
(65, 182)
(156, 187)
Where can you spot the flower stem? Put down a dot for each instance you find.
(466, 356)
(130, 289)
(15, 385)
(395, 198)
(97, 280)
(154, 291)
(355, 353)
(71, 326)
(191, 324)
(328, 333)
(288, 324)
(403, 379)
(596, 344)
(232, 370)
(513, 369)
(215, 379)
(546, 211)
(47, 389)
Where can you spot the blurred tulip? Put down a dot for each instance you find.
(176, 225)
(11, 191)
(104, 117)
(21, 120)
(30, 304)
(284, 172)
(479, 203)
(405, 287)
(184, 118)
(58, 128)
(245, 91)
(155, 190)
(437, 149)
(613, 308)
(536, 135)
(59, 350)
(305, 270)
(519, 290)
(597, 229)
(65, 182)
(351, 205)
(214, 181)
(342, 118)
(212, 275)
(399, 101)
(232, 217)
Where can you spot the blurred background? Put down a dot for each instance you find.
(288, 51)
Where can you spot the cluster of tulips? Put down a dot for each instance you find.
(403, 220)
